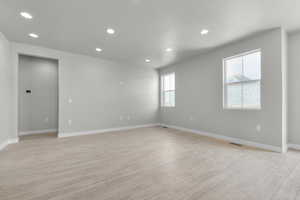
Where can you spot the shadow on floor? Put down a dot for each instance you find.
(38, 136)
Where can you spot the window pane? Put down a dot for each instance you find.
(234, 96)
(251, 95)
(168, 90)
(169, 82)
(234, 69)
(162, 83)
(252, 66)
(166, 83)
(166, 99)
(172, 81)
(172, 98)
(169, 98)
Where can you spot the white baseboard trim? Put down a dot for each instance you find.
(7, 142)
(37, 132)
(228, 139)
(13, 141)
(92, 132)
(294, 146)
(3, 145)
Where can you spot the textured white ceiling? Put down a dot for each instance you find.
(144, 28)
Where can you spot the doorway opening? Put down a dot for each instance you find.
(37, 97)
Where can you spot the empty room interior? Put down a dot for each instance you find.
(149, 100)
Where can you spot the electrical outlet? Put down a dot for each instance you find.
(70, 100)
(46, 120)
(121, 118)
(258, 128)
(70, 122)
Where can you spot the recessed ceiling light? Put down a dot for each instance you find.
(26, 15)
(98, 49)
(169, 49)
(110, 31)
(204, 32)
(147, 60)
(33, 35)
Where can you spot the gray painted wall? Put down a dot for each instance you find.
(284, 72)
(5, 88)
(294, 88)
(38, 110)
(104, 94)
(199, 93)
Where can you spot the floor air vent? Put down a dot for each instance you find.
(235, 144)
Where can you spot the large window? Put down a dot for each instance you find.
(168, 90)
(242, 77)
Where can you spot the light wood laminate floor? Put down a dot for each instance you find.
(145, 164)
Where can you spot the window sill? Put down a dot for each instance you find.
(243, 109)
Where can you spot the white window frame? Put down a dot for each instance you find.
(225, 106)
(162, 93)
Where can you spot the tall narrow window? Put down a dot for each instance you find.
(168, 90)
(242, 78)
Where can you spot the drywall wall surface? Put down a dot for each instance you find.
(5, 88)
(199, 93)
(284, 72)
(105, 94)
(294, 88)
(96, 94)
